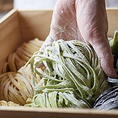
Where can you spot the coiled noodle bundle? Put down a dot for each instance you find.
(17, 87)
(72, 73)
(23, 53)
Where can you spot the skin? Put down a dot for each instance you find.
(86, 21)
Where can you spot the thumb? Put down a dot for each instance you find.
(47, 42)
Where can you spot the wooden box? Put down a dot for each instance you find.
(19, 26)
(6, 5)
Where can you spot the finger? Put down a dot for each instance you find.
(93, 27)
(103, 51)
(48, 42)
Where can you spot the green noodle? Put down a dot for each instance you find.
(73, 76)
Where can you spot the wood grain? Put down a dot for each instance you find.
(112, 14)
(19, 112)
(9, 35)
(34, 24)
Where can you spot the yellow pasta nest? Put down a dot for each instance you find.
(15, 82)
(17, 87)
(10, 103)
(23, 53)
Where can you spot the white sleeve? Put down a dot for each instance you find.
(34, 4)
(111, 3)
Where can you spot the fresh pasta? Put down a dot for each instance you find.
(73, 76)
(10, 103)
(23, 53)
(15, 82)
(16, 86)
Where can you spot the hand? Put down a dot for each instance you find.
(83, 20)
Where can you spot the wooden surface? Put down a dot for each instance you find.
(34, 24)
(112, 14)
(6, 5)
(21, 112)
(23, 25)
(9, 35)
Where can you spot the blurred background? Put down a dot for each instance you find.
(7, 5)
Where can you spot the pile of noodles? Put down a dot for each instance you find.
(15, 80)
(73, 76)
(17, 87)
